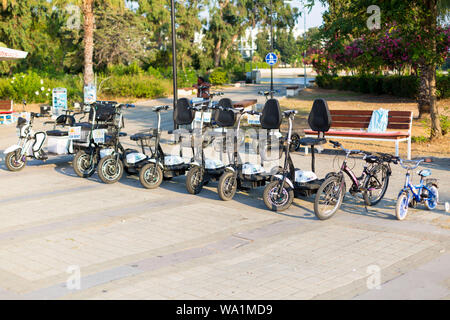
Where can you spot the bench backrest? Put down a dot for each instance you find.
(360, 119)
(6, 105)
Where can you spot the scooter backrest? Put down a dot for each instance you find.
(225, 118)
(21, 122)
(271, 116)
(182, 115)
(65, 120)
(104, 112)
(319, 118)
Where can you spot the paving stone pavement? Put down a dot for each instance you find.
(133, 243)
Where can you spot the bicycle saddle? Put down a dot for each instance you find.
(372, 159)
(424, 172)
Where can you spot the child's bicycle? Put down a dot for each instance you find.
(425, 192)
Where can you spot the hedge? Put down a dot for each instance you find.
(401, 86)
(35, 88)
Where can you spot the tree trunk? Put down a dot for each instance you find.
(217, 50)
(427, 89)
(227, 49)
(88, 12)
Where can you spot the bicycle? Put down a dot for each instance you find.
(427, 190)
(372, 183)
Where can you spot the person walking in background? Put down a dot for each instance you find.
(202, 88)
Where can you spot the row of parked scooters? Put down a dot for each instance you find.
(201, 123)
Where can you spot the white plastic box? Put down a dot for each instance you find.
(58, 145)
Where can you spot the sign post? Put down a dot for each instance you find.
(59, 98)
(271, 60)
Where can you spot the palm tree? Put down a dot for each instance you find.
(87, 8)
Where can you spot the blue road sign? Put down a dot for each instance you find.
(271, 58)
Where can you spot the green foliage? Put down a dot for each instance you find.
(154, 72)
(121, 70)
(138, 86)
(444, 121)
(443, 86)
(445, 124)
(420, 139)
(401, 86)
(218, 76)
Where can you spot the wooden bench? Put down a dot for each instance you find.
(346, 122)
(292, 91)
(6, 106)
(244, 103)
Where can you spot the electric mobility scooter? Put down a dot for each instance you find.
(31, 143)
(161, 166)
(240, 175)
(202, 169)
(279, 193)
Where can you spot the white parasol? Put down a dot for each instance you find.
(10, 54)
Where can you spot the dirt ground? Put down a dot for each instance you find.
(351, 100)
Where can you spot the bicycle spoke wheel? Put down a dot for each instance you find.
(375, 185)
(329, 198)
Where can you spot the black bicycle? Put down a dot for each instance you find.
(372, 183)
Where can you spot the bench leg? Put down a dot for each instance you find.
(409, 148)
(396, 148)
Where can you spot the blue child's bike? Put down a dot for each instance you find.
(425, 192)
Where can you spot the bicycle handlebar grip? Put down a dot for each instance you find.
(334, 143)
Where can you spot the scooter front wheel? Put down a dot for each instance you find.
(227, 186)
(194, 180)
(84, 164)
(401, 208)
(151, 176)
(110, 170)
(275, 200)
(13, 161)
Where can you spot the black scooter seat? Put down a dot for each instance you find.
(312, 141)
(57, 133)
(141, 136)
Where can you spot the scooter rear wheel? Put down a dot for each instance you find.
(82, 164)
(110, 170)
(14, 164)
(151, 176)
(275, 202)
(194, 180)
(227, 186)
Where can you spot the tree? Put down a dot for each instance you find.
(410, 36)
(120, 37)
(87, 8)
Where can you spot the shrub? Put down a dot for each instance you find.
(443, 86)
(218, 76)
(445, 124)
(121, 69)
(154, 72)
(401, 86)
(142, 86)
(26, 86)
